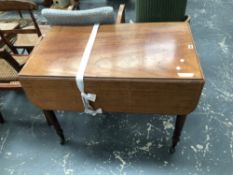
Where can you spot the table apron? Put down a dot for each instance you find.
(161, 97)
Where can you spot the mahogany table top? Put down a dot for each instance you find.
(125, 51)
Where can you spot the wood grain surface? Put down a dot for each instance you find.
(144, 51)
(147, 68)
(59, 53)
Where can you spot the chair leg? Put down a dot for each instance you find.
(50, 115)
(1, 118)
(180, 120)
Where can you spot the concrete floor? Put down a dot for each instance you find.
(125, 144)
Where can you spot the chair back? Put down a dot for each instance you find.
(18, 5)
(15, 5)
(102, 15)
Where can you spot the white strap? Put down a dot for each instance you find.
(86, 97)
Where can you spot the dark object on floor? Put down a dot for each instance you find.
(160, 10)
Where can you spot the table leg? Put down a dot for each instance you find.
(1, 118)
(47, 119)
(50, 115)
(180, 120)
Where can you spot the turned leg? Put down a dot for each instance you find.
(50, 115)
(47, 119)
(1, 118)
(180, 120)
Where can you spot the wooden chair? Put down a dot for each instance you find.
(28, 36)
(10, 65)
(9, 68)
